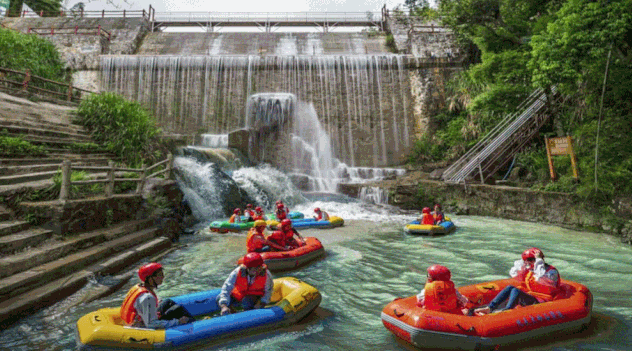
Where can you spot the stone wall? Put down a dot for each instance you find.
(422, 38)
(564, 210)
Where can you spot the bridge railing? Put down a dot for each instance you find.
(90, 14)
(268, 16)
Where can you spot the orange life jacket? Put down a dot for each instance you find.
(128, 313)
(254, 240)
(541, 291)
(441, 296)
(232, 218)
(438, 217)
(278, 237)
(242, 289)
(427, 218)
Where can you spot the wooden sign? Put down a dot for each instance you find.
(560, 146)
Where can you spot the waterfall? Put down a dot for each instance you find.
(373, 194)
(360, 100)
(215, 140)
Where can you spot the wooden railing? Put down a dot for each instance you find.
(110, 180)
(30, 83)
(76, 30)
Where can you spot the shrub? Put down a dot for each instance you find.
(124, 127)
(16, 146)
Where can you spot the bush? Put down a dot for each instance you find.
(124, 127)
(21, 52)
(10, 146)
(390, 43)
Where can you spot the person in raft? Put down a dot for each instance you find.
(286, 235)
(257, 242)
(249, 213)
(287, 209)
(259, 215)
(236, 217)
(141, 309)
(438, 214)
(321, 215)
(250, 284)
(280, 213)
(426, 217)
(439, 293)
(541, 283)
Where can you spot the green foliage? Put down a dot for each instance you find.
(21, 52)
(50, 7)
(390, 43)
(124, 127)
(84, 146)
(11, 146)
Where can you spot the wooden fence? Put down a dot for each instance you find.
(76, 30)
(110, 180)
(30, 83)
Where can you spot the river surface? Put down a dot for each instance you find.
(369, 262)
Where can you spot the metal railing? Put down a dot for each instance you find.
(29, 83)
(76, 30)
(110, 180)
(484, 156)
(307, 17)
(91, 14)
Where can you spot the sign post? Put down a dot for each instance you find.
(561, 146)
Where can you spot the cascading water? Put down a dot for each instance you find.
(361, 100)
(373, 194)
(215, 140)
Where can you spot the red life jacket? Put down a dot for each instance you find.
(254, 240)
(441, 296)
(258, 217)
(278, 237)
(541, 291)
(427, 218)
(233, 218)
(249, 213)
(438, 217)
(281, 215)
(128, 313)
(242, 289)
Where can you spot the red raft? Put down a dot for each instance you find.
(285, 260)
(569, 312)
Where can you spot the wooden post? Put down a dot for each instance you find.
(169, 166)
(102, 13)
(109, 186)
(76, 30)
(69, 92)
(480, 172)
(27, 79)
(141, 184)
(82, 12)
(548, 156)
(123, 13)
(571, 152)
(65, 180)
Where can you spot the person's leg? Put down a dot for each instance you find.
(168, 309)
(501, 297)
(249, 302)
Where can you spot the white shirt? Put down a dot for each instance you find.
(542, 276)
(145, 306)
(229, 285)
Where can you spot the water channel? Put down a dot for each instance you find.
(369, 262)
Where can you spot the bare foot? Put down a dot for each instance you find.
(482, 311)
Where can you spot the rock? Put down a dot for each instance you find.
(436, 174)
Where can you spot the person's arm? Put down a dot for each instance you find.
(420, 297)
(145, 306)
(462, 299)
(227, 288)
(544, 277)
(297, 234)
(267, 295)
(519, 270)
(325, 216)
(274, 245)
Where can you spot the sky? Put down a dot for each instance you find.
(240, 5)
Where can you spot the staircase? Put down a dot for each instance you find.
(502, 143)
(38, 269)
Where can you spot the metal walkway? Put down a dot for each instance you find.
(502, 143)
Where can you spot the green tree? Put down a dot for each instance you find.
(49, 7)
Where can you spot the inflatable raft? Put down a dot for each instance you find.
(226, 226)
(434, 329)
(445, 227)
(284, 260)
(333, 222)
(292, 298)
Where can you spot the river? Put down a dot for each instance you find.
(369, 262)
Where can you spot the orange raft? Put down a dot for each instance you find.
(571, 311)
(284, 260)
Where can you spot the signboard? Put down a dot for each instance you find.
(4, 7)
(560, 146)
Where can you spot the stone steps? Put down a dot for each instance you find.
(12, 227)
(7, 122)
(28, 302)
(30, 279)
(54, 250)
(95, 159)
(19, 128)
(22, 239)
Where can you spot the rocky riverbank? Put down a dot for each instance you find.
(415, 190)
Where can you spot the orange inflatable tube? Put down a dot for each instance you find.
(570, 311)
(284, 260)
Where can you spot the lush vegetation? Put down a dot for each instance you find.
(48, 7)
(582, 47)
(28, 52)
(125, 128)
(12, 146)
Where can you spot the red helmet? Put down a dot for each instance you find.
(317, 209)
(280, 206)
(258, 209)
(530, 253)
(437, 205)
(439, 273)
(253, 259)
(277, 202)
(249, 206)
(286, 223)
(236, 211)
(426, 210)
(148, 270)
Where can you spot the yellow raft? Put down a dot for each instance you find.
(291, 301)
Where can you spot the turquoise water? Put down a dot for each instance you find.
(369, 262)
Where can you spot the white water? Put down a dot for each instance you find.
(373, 194)
(215, 140)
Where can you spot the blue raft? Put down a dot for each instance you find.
(445, 227)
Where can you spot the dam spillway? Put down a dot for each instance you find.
(362, 101)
